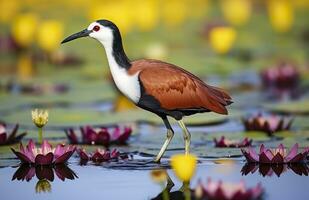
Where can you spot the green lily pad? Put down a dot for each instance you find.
(294, 107)
(79, 116)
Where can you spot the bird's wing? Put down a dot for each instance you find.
(175, 88)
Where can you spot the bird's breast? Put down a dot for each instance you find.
(128, 84)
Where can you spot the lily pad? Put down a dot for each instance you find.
(78, 117)
(294, 107)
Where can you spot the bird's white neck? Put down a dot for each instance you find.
(127, 84)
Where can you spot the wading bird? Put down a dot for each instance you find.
(156, 86)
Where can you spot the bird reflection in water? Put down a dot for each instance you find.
(44, 174)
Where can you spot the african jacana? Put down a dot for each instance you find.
(156, 86)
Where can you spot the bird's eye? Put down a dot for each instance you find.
(96, 28)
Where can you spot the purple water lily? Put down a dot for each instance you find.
(278, 155)
(100, 155)
(10, 138)
(100, 136)
(223, 142)
(44, 155)
(267, 124)
(227, 191)
(280, 79)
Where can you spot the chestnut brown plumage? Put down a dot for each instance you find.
(156, 86)
(178, 89)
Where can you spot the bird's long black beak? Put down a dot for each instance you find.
(83, 33)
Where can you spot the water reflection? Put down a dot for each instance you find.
(270, 169)
(44, 174)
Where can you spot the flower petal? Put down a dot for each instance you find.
(60, 150)
(71, 136)
(292, 153)
(253, 154)
(46, 147)
(22, 157)
(298, 158)
(263, 158)
(248, 156)
(269, 154)
(44, 159)
(65, 157)
(82, 154)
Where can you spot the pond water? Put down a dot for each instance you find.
(106, 181)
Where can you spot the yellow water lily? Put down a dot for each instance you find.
(281, 14)
(24, 29)
(184, 166)
(39, 117)
(237, 12)
(222, 39)
(49, 35)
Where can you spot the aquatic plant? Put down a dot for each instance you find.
(40, 119)
(268, 124)
(184, 166)
(10, 138)
(278, 155)
(44, 155)
(281, 79)
(100, 155)
(102, 136)
(227, 191)
(223, 142)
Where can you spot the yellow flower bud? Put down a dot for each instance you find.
(39, 117)
(50, 35)
(43, 186)
(281, 14)
(237, 12)
(184, 166)
(159, 175)
(222, 39)
(23, 29)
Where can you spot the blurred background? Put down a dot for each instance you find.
(256, 49)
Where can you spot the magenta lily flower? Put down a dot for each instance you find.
(278, 155)
(267, 124)
(100, 155)
(223, 142)
(44, 155)
(228, 191)
(10, 138)
(100, 136)
(284, 76)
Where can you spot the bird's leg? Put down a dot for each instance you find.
(186, 136)
(169, 136)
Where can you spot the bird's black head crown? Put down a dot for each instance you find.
(118, 51)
